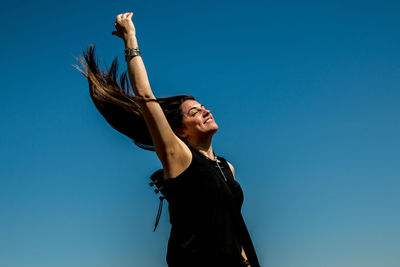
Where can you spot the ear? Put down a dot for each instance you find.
(181, 133)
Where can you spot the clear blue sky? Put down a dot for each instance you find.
(306, 94)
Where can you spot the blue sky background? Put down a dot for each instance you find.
(306, 94)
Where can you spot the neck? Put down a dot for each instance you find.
(204, 147)
(208, 152)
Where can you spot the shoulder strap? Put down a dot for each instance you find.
(157, 179)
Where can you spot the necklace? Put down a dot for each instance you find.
(207, 157)
(215, 160)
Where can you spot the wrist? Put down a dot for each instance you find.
(130, 40)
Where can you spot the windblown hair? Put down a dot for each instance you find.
(118, 104)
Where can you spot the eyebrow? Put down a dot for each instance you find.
(193, 108)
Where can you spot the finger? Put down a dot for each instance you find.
(119, 17)
(130, 15)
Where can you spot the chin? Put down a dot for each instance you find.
(214, 129)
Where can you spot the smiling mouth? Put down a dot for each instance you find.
(209, 120)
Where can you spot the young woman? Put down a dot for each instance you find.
(207, 228)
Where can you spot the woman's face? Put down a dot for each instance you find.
(197, 121)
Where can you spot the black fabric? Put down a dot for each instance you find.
(206, 223)
(243, 234)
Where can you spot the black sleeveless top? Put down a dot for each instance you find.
(202, 201)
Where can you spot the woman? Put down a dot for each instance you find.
(207, 228)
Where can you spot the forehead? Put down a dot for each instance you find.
(188, 104)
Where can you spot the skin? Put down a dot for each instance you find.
(198, 123)
(199, 127)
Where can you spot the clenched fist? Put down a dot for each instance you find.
(124, 26)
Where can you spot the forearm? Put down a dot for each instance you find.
(244, 256)
(137, 72)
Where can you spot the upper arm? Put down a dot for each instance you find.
(232, 169)
(173, 153)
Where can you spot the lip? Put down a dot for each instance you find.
(209, 119)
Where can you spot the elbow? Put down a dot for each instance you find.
(145, 93)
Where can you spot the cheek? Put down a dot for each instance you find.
(192, 123)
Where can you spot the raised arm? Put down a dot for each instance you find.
(173, 153)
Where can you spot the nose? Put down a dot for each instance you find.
(205, 112)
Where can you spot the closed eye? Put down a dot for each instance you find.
(195, 110)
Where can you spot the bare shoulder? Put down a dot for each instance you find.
(232, 169)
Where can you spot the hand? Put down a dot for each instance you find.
(124, 26)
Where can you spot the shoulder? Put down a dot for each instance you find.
(232, 168)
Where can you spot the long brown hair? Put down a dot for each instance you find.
(119, 106)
